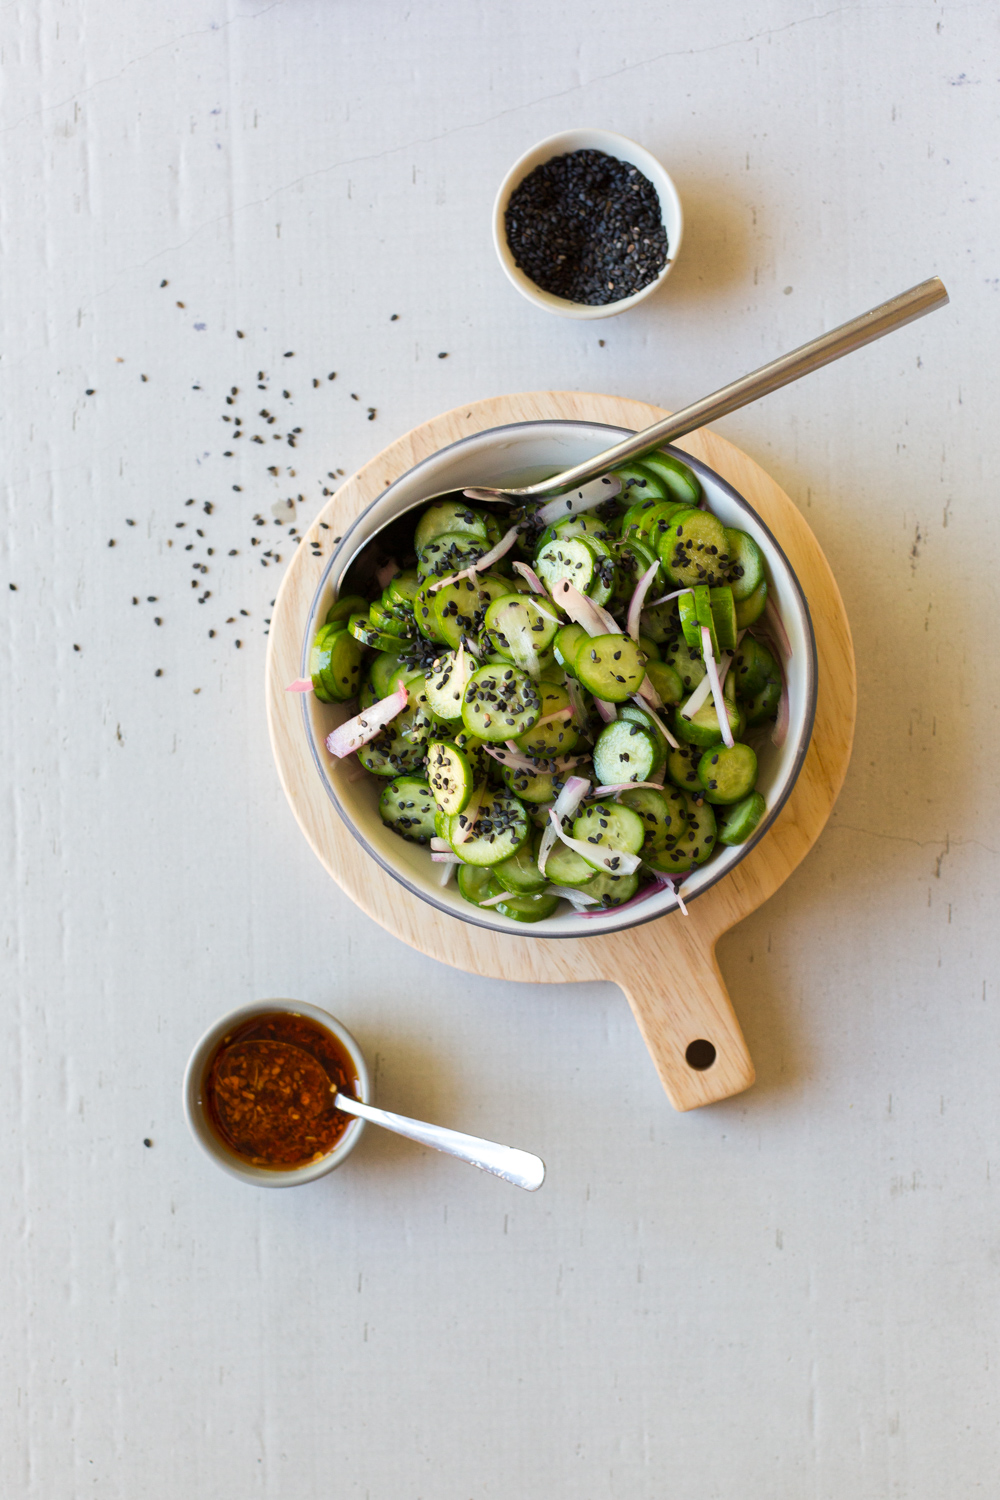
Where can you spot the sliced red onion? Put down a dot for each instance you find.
(636, 603)
(697, 698)
(594, 620)
(624, 786)
(447, 872)
(560, 713)
(591, 495)
(367, 724)
(466, 819)
(569, 893)
(642, 702)
(440, 846)
(564, 806)
(728, 658)
(480, 565)
(387, 572)
(666, 598)
(607, 711)
(300, 685)
(779, 733)
(440, 857)
(713, 677)
(680, 898)
(615, 861)
(515, 758)
(640, 896)
(530, 576)
(780, 635)
(566, 763)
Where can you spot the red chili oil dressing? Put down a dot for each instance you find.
(269, 1090)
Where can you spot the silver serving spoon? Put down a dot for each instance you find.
(872, 325)
(519, 1167)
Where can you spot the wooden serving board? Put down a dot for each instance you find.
(667, 967)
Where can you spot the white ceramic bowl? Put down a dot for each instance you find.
(520, 454)
(208, 1140)
(612, 145)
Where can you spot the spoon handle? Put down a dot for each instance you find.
(519, 1167)
(820, 351)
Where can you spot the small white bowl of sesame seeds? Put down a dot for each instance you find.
(587, 224)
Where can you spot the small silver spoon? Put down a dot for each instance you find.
(519, 1167)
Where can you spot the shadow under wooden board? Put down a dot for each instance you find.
(667, 967)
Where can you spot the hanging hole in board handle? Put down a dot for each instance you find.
(700, 1055)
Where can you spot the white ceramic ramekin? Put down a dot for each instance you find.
(201, 1127)
(612, 145)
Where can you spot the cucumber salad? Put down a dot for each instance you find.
(565, 710)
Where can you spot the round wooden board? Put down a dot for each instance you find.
(667, 967)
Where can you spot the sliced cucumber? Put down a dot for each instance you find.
(650, 523)
(342, 673)
(474, 882)
(407, 807)
(527, 908)
(742, 820)
(765, 705)
(400, 747)
(610, 667)
(664, 815)
(746, 564)
(687, 663)
(369, 634)
(659, 621)
(558, 736)
(611, 890)
(694, 549)
(632, 713)
(565, 867)
(446, 686)
(520, 629)
(728, 774)
(701, 830)
(401, 592)
(695, 610)
(649, 648)
(724, 616)
(567, 559)
(682, 483)
(459, 609)
(609, 825)
(500, 828)
(587, 525)
(749, 610)
(703, 727)
(531, 786)
(665, 679)
(639, 483)
(450, 775)
(449, 553)
(682, 766)
(448, 518)
(343, 609)
(625, 751)
(567, 643)
(319, 660)
(520, 874)
(752, 668)
(500, 703)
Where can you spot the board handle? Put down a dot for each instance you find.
(687, 1020)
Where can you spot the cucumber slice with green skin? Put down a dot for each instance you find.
(610, 667)
(749, 610)
(520, 628)
(609, 826)
(342, 672)
(624, 752)
(682, 483)
(694, 549)
(400, 747)
(407, 807)
(449, 775)
(666, 680)
(568, 640)
(724, 616)
(588, 525)
(742, 820)
(728, 774)
(534, 787)
(682, 767)
(650, 523)
(520, 874)
(611, 890)
(746, 564)
(632, 560)
(368, 634)
(570, 559)
(351, 604)
(649, 648)
(695, 610)
(764, 706)
(500, 703)
(449, 553)
(448, 518)
(474, 883)
(367, 694)
(670, 861)
(459, 609)
(632, 713)
(753, 667)
(446, 686)
(441, 823)
(500, 829)
(686, 662)
(565, 867)
(639, 483)
(527, 908)
(557, 737)
(659, 622)
(384, 620)
(703, 727)
(699, 840)
(664, 815)
(319, 660)
(402, 591)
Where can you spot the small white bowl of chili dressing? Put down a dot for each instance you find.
(259, 1089)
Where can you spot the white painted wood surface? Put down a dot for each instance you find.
(793, 1293)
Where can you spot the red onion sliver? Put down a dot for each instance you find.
(441, 858)
(571, 894)
(447, 871)
(774, 620)
(607, 711)
(367, 724)
(644, 895)
(635, 606)
(560, 713)
(387, 572)
(300, 685)
(487, 560)
(713, 676)
(440, 846)
(690, 707)
(666, 598)
(624, 786)
(647, 708)
(594, 620)
(564, 806)
(593, 494)
(615, 861)
(530, 576)
(515, 758)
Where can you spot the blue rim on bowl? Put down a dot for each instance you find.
(546, 446)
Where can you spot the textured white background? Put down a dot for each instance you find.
(795, 1293)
